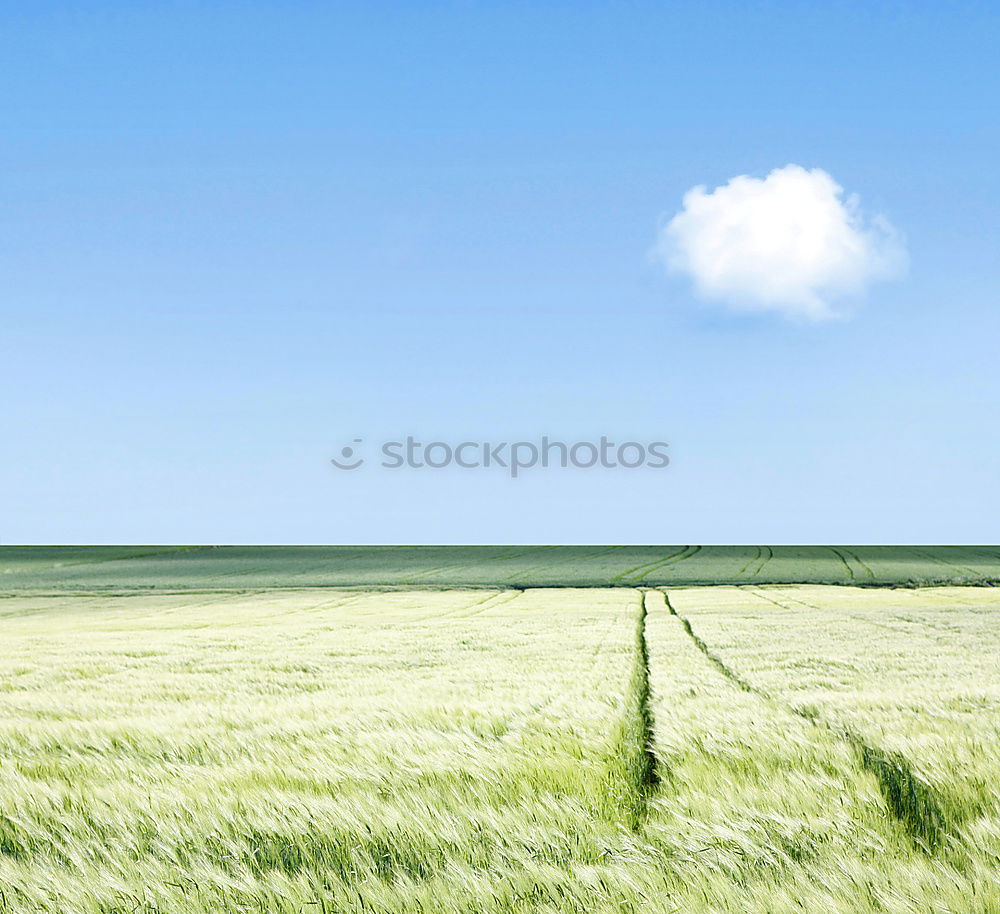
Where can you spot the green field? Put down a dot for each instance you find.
(214, 567)
(761, 749)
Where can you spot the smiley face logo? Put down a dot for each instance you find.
(350, 460)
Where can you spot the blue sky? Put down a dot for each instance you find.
(234, 237)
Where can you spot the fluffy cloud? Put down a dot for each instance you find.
(790, 242)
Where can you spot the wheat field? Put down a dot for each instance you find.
(759, 749)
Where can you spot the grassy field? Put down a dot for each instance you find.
(214, 567)
(754, 749)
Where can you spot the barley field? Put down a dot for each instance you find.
(754, 748)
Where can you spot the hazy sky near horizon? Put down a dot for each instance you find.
(236, 236)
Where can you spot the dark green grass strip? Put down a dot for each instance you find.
(912, 801)
(648, 771)
(631, 775)
(81, 569)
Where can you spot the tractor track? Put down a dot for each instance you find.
(913, 802)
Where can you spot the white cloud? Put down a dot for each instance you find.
(790, 242)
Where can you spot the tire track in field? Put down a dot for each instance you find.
(912, 801)
(767, 558)
(223, 596)
(649, 774)
(839, 611)
(857, 558)
(436, 569)
(764, 555)
(762, 596)
(993, 556)
(317, 573)
(846, 557)
(521, 577)
(475, 607)
(760, 552)
(643, 571)
(467, 564)
(630, 774)
(500, 599)
(977, 575)
(844, 562)
(939, 630)
(632, 571)
(694, 550)
(895, 629)
(875, 623)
